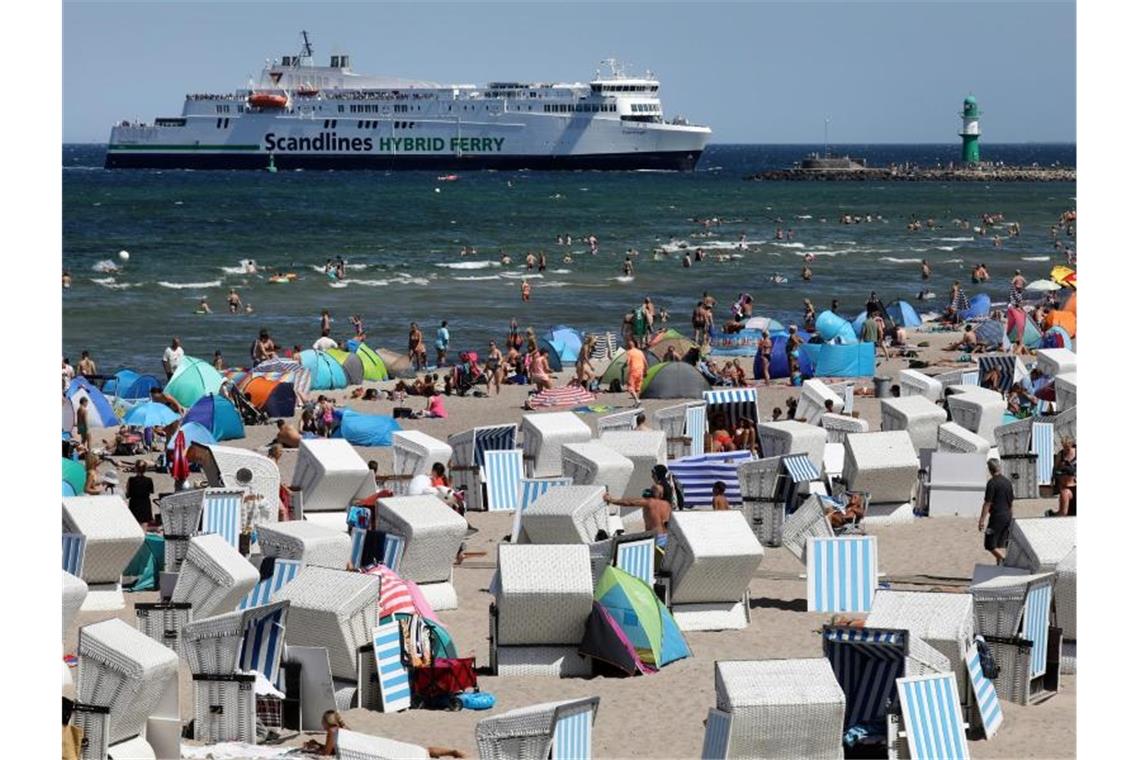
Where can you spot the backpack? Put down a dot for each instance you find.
(990, 668)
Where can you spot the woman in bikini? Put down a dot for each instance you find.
(584, 370)
(540, 372)
(720, 439)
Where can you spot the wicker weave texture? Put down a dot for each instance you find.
(808, 521)
(914, 383)
(1056, 361)
(711, 616)
(113, 535)
(174, 552)
(955, 438)
(944, 621)
(566, 515)
(1041, 543)
(163, 623)
(782, 708)
(918, 416)
(1064, 426)
(671, 420)
(214, 577)
(433, 531)
(74, 592)
(543, 438)
(790, 437)
(711, 556)
(310, 543)
(353, 745)
(441, 595)
(542, 662)
(883, 464)
(810, 407)
(212, 645)
(331, 474)
(545, 594)
(414, 452)
(838, 426)
(228, 461)
(645, 448)
(1012, 657)
(181, 512)
(1065, 388)
(224, 711)
(594, 463)
(1065, 594)
(1014, 437)
(979, 411)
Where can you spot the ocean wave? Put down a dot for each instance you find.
(338, 284)
(233, 270)
(803, 216)
(1035, 258)
(945, 247)
(102, 280)
(560, 271)
(552, 284)
(825, 253)
(623, 278)
(366, 283)
(956, 239)
(184, 285)
(469, 265)
(522, 276)
(954, 261)
(894, 260)
(789, 245)
(477, 278)
(105, 265)
(355, 266)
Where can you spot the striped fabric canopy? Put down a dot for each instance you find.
(1010, 366)
(866, 662)
(284, 570)
(263, 638)
(799, 468)
(606, 347)
(286, 371)
(569, 395)
(932, 717)
(696, 474)
(842, 573)
(734, 403)
(1036, 625)
(498, 438)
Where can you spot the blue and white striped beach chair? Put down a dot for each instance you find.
(395, 686)
(574, 730)
(718, 731)
(468, 457)
(970, 378)
(74, 547)
(284, 570)
(1042, 445)
(503, 471)
(529, 491)
(221, 513)
(795, 469)
(394, 545)
(932, 718)
(734, 403)
(263, 639)
(985, 696)
(696, 425)
(357, 550)
(697, 474)
(1010, 366)
(635, 554)
(1035, 625)
(842, 573)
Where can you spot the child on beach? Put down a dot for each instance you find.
(719, 500)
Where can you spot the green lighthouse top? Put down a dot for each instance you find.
(970, 106)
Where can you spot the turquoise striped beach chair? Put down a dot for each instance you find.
(636, 554)
(555, 730)
(574, 731)
(394, 545)
(1038, 605)
(1042, 446)
(284, 570)
(842, 573)
(395, 686)
(718, 731)
(696, 426)
(356, 553)
(503, 471)
(263, 637)
(698, 473)
(985, 696)
(221, 513)
(529, 491)
(74, 547)
(468, 450)
(931, 718)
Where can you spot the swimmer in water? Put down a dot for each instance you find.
(66, 279)
(525, 288)
(806, 274)
(505, 260)
(567, 259)
(627, 267)
(203, 307)
(925, 269)
(249, 308)
(234, 301)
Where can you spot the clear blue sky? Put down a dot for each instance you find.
(755, 72)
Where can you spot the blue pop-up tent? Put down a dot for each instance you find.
(832, 327)
(366, 429)
(100, 413)
(850, 360)
(778, 367)
(218, 415)
(192, 432)
(566, 341)
(129, 385)
(902, 313)
(979, 307)
(326, 372)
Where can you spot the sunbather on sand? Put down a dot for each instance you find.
(287, 435)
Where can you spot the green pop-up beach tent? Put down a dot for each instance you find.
(193, 380)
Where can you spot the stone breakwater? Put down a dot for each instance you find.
(989, 174)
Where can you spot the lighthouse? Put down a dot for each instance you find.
(970, 131)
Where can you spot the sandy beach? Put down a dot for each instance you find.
(662, 715)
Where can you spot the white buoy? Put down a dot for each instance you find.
(125, 255)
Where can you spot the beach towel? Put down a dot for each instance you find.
(570, 395)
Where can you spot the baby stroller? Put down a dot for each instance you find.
(463, 377)
(439, 685)
(250, 414)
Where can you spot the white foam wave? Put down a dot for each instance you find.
(233, 270)
(789, 245)
(1035, 258)
(560, 271)
(954, 261)
(476, 278)
(355, 266)
(522, 276)
(469, 264)
(945, 247)
(338, 284)
(102, 280)
(184, 285)
(803, 216)
(105, 265)
(366, 283)
(956, 239)
(894, 260)
(623, 278)
(552, 284)
(826, 253)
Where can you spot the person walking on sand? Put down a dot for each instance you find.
(765, 348)
(635, 366)
(417, 352)
(997, 505)
(494, 367)
(82, 425)
(442, 341)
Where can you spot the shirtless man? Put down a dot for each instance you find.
(234, 301)
(655, 511)
(287, 435)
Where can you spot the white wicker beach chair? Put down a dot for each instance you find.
(636, 554)
(932, 717)
(567, 515)
(467, 457)
(673, 421)
(74, 592)
(1014, 438)
(163, 621)
(353, 745)
(716, 744)
(284, 571)
(1010, 604)
(781, 708)
(594, 463)
(1064, 426)
(1065, 390)
(112, 534)
(979, 411)
(791, 437)
(645, 448)
(127, 672)
(543, 597)
(697, 474)
(944, 621)
(918, 416)
(710, 558)
(333, 609)
(1065, 592)
(529, 491)
(838, 426)
(225, 708)
(253, 473)
(623, 421)
(914, 383)
(955, 438)
(330, 474)
(181, 512)
(249, 639)
(305, 542)
(884, 464)
(763, 504)
(810, 407)
(1040, 545)
(807, 522)
(543, 437)
(433, 532)
(222, 513)
(556, 730)
(956, 484)
(734, 403)
(74, 547)
(414, 453)
(842, 573)
(214, 576)
(1056, 361)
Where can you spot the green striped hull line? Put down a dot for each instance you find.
(159, 148)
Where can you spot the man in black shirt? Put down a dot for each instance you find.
(998, 506)
(140, 488)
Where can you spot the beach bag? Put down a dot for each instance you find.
(990, 668)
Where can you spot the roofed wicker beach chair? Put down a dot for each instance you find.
(791, 437)
(986, 704)
(838, 426)
(623, 421)
(645, 448)
(74, 592)
(214, 577)
(543, 437)
(914, 383)
(807, 522)
(329, 474)
(918, 416)
(163, 621)
(112, 538)
(594, 463)
(810, 407)
(467, 458)
(333, 609)
(1015, 437)
(225, 708)
(433, 534)
(781, 708)
(249, 639)
(284, 571)
(842, 573)
(530, 489)
(932, 718)
(762, 501)
(305, 542)
(130, 674)
(945, 621)
(222, 513)
(253, 473)
(1009, 367)
(886, 465)
(566, 515)
(680, 437)
(1041, 545)
(555, 730)
(414, 453)
(955, 484)
(543, 597)
(1065, 391)
(868, 661)
(955, 438)
(74, 547)
(710, 558)
(1056, 361)
(1064, 426)
(503, 474)
(353, 745)
(636, 554)
(979, 411)
(698, 473)
(735, 404)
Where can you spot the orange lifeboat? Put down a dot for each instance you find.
(267, 100)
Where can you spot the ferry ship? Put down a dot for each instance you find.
(303, 116)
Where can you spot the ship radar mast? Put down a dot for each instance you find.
(617, 71)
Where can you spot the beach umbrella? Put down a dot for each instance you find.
(150, 414)
(374, 368)
(193, 432)
(350, 363)
(193, 380)
(179, 465)
(770, 324)
(1064, 276)
(74, 474)
(1043, 285)
(326, 373)
(566, 341)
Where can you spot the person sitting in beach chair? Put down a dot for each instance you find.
(846, 514)
(719, 438)
(1065, 480)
